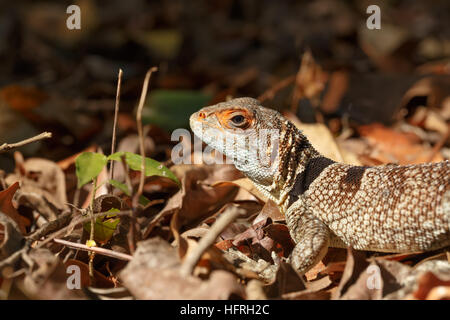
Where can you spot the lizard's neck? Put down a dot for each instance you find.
(294, 154)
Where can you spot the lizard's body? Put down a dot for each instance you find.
(384, 208)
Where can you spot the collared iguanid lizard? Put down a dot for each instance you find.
(388, 208)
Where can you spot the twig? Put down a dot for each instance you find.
(116, 113)
(437, 147)
(136, 196)
(13, 258)
(139, 127)
(78, 221)
(227, 217)
(91, 234)
(51, 226)
(270, 93)
(8, 146)
(102, 251)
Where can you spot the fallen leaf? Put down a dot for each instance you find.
(286, 280)
(7, 207)
(10, 236)
(153, 274)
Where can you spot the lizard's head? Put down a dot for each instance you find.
(244, 131)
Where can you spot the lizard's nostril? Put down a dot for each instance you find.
(201, 115)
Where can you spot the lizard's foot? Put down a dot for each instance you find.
(312, 238)
(308, 253)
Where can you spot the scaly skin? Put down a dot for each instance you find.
(383, 208)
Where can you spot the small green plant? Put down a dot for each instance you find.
(88, 167)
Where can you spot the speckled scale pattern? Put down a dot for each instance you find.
(387, 208)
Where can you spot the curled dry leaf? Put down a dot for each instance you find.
(48, 278)
(154, 274)
(356, 263)
(245, 184)
(391, 146)
(270, 210)
(322, 139)
(100, 280)
(386, 279)
(10, 236)
(43, 177)
(434, 90)
(198, 198)
(7, 207)
(286, 280)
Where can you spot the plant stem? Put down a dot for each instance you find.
(91, 236)
(116, 113)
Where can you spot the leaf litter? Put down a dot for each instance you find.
(339, 109)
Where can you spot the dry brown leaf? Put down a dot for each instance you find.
(48, 278)
(355, 264)
(337, 87)
(270, 210)
(280, 234)
(309, 82)
(7, 207)
(323, 141)
(391, 146)
(432, 287)
(436, 89)
(153, 274)
(314, 271)
(286, 281)
(100, 280)
(43, 177)
(10, 236)
(244, 183)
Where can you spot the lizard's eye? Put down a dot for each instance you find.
(235, 119)
(238, 120)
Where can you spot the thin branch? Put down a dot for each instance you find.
(102, 251)
(116, 114)
(51, 226)
(438, 146)
(270, 93)
(227, 217)
(8, 146)
(139, 127)
(78, 221)
(13, 257)
(136, 196)
(91, 234)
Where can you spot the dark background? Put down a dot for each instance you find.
(64, 81)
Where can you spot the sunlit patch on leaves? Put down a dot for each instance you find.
(104, 226)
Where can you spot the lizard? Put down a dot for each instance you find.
(386, 208)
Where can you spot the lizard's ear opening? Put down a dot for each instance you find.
(236, 119)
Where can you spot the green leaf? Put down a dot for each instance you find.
(88, 166)
(116, 156)
(120, 186)
(171, 109)
(152, 167)
(143, 200)
(104, 227)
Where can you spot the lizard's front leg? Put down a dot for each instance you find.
(312, 237)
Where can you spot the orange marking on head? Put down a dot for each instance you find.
(225, 115)
(202, 118)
